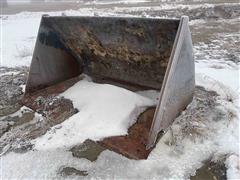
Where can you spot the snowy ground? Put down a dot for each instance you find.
(208, 129)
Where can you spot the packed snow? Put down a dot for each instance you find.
(38, 164)
(104, 110)
(99, 117)
(233, 167)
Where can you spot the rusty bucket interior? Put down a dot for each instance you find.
(134, 53)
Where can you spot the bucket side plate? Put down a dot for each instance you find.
(52, 62)
(179, 83)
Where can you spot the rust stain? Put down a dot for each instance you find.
(134, 144)
(29, 99)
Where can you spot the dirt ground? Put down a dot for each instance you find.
(64, 5)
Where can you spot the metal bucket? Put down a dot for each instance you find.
(135, 53)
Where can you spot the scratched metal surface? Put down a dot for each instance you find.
(179, 83)
(126, 50)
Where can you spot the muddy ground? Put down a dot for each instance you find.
(215, 36)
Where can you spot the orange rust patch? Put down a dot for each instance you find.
(29, 99)
(134, 144)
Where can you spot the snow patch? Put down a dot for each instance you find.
(233, 165)
(38, 164)
(104, 110)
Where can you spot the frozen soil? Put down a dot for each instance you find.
(25, 125)
(194, 124)
(75, 5)
(11, 89)
(213, 11)
(211, 170)
(19, 124)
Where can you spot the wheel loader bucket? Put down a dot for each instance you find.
(135, 53)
